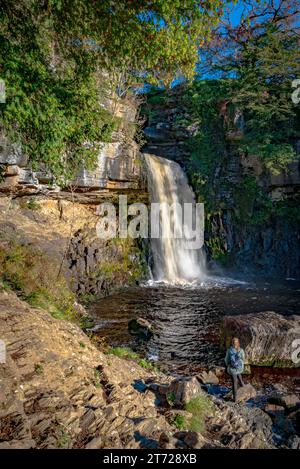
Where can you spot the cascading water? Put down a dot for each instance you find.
(173, 262)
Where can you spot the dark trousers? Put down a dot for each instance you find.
(235, 379)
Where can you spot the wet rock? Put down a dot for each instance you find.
(183, 390)
(266, 337)
(141, 327)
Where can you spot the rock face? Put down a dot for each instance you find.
(65, 232)
(99, 267)
(267, 338)
(119, 165)
(270, 247)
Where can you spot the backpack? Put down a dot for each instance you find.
(235, 359)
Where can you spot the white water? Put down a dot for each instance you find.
(173, 261)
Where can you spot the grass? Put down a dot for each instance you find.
(147, 364)
(97, 379)
(179, 422)
(63, 438)
(33, 205)
(200, 407)
(34, 277)
(39, 369)
(171, 398)
(86, 322)
(123, 352)
(29, 203)
(128, 354)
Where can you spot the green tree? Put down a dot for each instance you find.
(260, 57)
(55, 56)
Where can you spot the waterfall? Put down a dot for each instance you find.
(173, 261)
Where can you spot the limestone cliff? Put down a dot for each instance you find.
(60, 222)
(118, 166)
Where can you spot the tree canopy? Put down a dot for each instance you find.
(53, 54)
(258, 58)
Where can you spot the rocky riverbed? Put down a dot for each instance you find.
(58, 390)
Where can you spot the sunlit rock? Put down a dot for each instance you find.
(268, 338)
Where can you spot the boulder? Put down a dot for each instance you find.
(243, 394)
(95, 443)
(219, 371)
(208, 378)
(295, 418)
(266, 337)
(167, 441)
(194, 440)
(289, 401)
(272, 409)
(141, 327)
(11, 170)
(294, 442)
(183, 390)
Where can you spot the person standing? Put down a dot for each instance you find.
(234, 360)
